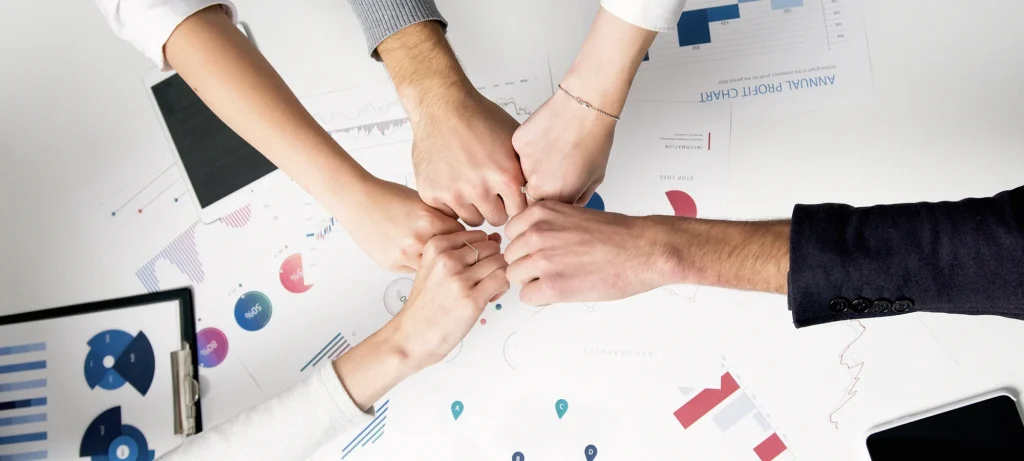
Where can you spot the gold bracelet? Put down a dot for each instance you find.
(588, 105)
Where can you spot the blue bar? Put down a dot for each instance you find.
(693, 28)
(27, 419)
(647, 56)
(783, 4)
(27, 366)
(33, 456)
(15, 404)
(23, 438)
(723, 13)
(22, 385)
(22, 349)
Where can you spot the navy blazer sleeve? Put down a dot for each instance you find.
(963, 257)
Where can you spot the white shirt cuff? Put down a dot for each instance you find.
(148, 24)
(656, 15)
(346, 406)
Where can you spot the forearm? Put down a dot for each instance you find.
(740, 255)
(373, 367)
(604, 69)
(241, 87)
(425, 70)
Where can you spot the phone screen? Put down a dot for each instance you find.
(990, 430)
(217, 160)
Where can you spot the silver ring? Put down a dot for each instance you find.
(474, 249)
(528, 194)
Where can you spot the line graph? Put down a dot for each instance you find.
(854, 367)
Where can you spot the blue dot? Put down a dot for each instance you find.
(113, 213)
(596, 202)
(498, 307)
(175, 200)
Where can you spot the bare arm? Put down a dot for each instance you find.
(387, 220)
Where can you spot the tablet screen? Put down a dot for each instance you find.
(989, 430)
(217, 160)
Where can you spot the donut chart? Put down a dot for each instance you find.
(682, 203)
(116, 357)
(107, 438)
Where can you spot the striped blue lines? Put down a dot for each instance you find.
(22, 349)
(15, 404)
(26, 366)
(22, 385)
(332, 350)
(22, 438)
(182, 253)
(370, 433)
(26, 419)
(33, 456)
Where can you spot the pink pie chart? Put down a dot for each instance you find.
(292, 276)
(682, 204)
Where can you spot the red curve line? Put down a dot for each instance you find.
(852, 392)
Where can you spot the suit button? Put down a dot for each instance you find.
(860, 305)
(839, 305)
(902, 305)
(881, 306)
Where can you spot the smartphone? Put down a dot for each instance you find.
(988, 427)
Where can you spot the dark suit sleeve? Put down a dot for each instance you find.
(963, 257)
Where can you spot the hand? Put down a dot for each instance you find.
(390, 223)
(563, 146)
(464, 161)
(459, 275)
(564, 149)
(462, 143)
(562, 253)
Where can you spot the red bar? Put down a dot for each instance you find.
(705, 401)
(770, 448)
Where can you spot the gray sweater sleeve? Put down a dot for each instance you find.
(381, 18)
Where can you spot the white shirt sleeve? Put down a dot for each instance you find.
(291, 426)
(148, 24)
(657, 15)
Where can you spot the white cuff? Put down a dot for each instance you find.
(656, 15)
(346, 406)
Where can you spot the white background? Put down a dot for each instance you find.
(945, 124)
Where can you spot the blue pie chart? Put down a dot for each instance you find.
(116, 357)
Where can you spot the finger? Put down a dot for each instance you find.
(447, 210)
(514, 200)
(491, 286)
(523, 221)
(444, 243)
(408, 269)
(478, 251)
(469, 214)
(527, 243)
(477, 272)
(523, 271)
(538, 293)
(493, 210)
(496, 237)
(587, 194)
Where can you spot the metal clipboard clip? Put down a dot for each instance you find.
(186, 391)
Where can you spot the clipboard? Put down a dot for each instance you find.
(105, 381)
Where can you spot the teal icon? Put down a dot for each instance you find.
(497, 306)
(561, 406)
(590, 452)
(457, 408)
(518, 456)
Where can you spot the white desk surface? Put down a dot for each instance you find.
(945, 124)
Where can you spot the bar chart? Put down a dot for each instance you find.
(23, 402)
(736, 416)
(711, 30)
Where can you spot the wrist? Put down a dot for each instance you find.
(373, 368)
(424, 69)
(672, 250)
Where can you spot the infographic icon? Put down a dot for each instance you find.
(292, 274)
(107, 438)
(396, 294)
(596, 202)
(253, 311)
(682, 203)
(213, 347)
(116, 357)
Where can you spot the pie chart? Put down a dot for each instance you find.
(596, 202)
(683, 205)
(116, 357)
(293, 277)
(107, 439)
